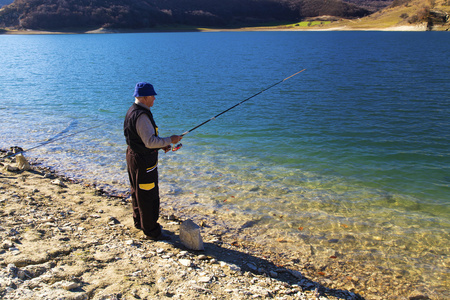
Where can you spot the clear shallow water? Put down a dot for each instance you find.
(357, 144)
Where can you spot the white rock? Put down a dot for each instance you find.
(58, 182)
(204, 279)
(7, 244)
(185, 262)
(232, 267)
(182, 253)
(69, 285)
(190, 235)
(65, 228)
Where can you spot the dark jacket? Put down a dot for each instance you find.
(129, 129)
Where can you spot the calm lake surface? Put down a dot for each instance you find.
(357, 145)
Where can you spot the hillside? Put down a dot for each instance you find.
(371, 5)
(140, 14)
(422, 14)
(84, 15)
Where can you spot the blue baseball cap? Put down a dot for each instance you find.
(144, 89)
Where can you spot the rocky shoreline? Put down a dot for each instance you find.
(62, 239)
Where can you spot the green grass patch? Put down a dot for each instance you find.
(309, 23)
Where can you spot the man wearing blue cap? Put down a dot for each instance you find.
(141, 134)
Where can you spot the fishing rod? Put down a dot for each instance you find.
(51, 140)
(221, 113)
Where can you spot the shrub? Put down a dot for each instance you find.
(413, 19)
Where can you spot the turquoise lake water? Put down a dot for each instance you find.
(361, 138)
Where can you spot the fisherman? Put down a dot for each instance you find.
(141, 134)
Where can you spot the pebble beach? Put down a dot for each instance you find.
(67, 239)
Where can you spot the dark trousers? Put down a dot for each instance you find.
(143, 175)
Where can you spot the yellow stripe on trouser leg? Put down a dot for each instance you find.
(147, 186)
(151, 168)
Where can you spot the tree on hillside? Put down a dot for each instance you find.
(56, 14)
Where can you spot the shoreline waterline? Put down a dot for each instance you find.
(397, 28)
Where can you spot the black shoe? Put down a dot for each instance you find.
(161, 237)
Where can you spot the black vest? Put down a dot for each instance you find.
(129, 129)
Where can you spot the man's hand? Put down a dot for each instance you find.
(175, 138)
(167, 148)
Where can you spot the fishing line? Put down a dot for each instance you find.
(51, 140)
(69, 127)
(221, 113)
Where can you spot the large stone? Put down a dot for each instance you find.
(190, 235)
(22, 162)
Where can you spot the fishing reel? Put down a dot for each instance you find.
(177, 147)
(174, 148)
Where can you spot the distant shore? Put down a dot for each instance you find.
(336, 27)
